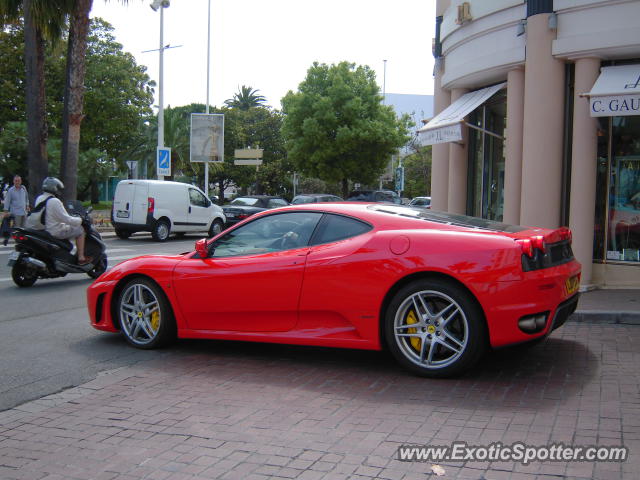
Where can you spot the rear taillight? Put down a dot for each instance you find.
(150, 205)
(19, 238)
(565, 234)
(526, 245)
(539, 243)
(243, 216)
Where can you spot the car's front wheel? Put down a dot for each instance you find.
(146, 318)
(435, 328)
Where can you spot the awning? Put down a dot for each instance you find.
(616, 92)
(447, 125)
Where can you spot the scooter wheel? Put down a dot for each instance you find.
(99, 269)
(21, 276)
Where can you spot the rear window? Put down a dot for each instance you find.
(300, 199)
(448, 218)
(277, 202)
(245, 202)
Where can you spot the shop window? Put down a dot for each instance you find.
(486, 159)
(617, 230)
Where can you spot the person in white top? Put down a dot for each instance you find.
(58, 222)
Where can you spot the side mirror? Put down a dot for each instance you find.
(201, 248)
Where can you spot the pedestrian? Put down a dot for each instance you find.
(16, 203)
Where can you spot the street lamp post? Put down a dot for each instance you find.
(206, 164)
(161, 4)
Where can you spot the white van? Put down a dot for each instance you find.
(163, 207)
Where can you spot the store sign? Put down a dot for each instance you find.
(450, 133)
(615, 106)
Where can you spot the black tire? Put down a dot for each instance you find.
(148, 327)
(123, 234)
(161, 231)
(216, 227)
(99, 269)
(21, 276)
(435, 348)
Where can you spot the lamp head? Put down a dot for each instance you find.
(156, 4)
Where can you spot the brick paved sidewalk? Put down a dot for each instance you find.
(244, 411)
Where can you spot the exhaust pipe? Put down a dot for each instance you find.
(36, 263)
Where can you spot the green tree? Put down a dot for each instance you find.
(118, 94)
(245, 99)
(417, 172)
(336, 128)
(43, 20)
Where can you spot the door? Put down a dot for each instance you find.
(140, 205)
(199, 211)
(252, 278)
(124, 202)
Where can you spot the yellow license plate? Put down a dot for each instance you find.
(572, 284)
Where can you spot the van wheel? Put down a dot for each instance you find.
(216, 227)
(123, 234)
(161, 231)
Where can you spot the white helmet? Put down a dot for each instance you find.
(52, 185)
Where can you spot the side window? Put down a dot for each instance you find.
(276, 202)
(268, 234)
(337, 227)
(197, 199)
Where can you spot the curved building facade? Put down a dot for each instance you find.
(537, 122)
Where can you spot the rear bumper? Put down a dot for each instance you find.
(542, 292)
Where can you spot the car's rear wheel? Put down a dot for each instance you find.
(435, 328)
(161, 231)
(146, 318)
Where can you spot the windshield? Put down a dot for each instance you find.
(244, 201)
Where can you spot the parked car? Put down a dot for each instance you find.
(163, 207)
(437, 289)
(374, 196)
(423, 202)
(315, 198)
(243, 207)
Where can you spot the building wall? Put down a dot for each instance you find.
(499, 42)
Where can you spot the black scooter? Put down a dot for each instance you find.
(39, 255)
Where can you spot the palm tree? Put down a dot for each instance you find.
(245, 99)
(43, 20)
(74, 95)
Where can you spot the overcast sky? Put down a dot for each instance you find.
(269, 45)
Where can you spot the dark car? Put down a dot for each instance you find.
(243, 207)
(374, 196)
(314, 198)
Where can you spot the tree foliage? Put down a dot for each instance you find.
(337, 129)
(118, 94)
(417, 172)
(245, 99)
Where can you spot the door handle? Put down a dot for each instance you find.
(189, 208)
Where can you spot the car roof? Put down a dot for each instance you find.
(258, 196)
(391, 216)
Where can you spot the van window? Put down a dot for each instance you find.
(197, 199)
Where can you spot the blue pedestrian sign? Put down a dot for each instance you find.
(163, 161)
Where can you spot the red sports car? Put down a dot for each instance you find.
(437, 289)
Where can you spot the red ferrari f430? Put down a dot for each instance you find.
(436, 289)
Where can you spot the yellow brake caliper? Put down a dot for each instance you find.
(155, 320)
(416, 343)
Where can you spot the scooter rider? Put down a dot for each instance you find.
(58, 222)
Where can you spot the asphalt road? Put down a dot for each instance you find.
(46, 342)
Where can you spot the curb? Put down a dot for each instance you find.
(598, 316)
